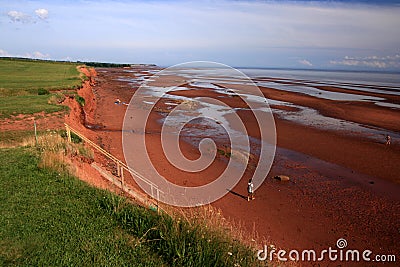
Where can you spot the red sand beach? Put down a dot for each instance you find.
(342, 185)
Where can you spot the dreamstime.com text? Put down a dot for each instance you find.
(338, 253)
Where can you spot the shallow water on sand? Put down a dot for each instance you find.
(303, 115)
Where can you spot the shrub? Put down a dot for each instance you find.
(74, 138)
(42, 91)
(80, 100)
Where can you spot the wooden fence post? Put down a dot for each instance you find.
(68, 132)
(36, 137)
(158, 201)
(122, 177)
(118, 169)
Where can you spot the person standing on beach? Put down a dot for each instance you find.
(250, 190)
(388, 139)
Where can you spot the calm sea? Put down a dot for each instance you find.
(369, 78)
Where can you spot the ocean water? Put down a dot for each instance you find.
(374, 82)
(306, 82)
(366, 78)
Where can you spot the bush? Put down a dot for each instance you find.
(42, 91)
(74, 138)
(80, 100)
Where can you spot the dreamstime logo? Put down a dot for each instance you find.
(161, 93)
(341, 243)
(331, 254)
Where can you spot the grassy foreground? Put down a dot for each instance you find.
(52, 219)
(26, 86)
(49, 218)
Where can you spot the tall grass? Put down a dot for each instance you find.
(52, 147)
(177, 240)
(55, 151)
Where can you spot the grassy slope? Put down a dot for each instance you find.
(48, 219)
(20, 81)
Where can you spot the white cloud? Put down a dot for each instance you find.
(4, 53)
(35, 55)
(42, 13)
(305, 62)
(382, 62)
(16, 16)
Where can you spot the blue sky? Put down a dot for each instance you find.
(288, 34)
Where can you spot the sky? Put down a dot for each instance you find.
(355, 35)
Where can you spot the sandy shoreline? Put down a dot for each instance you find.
(342, 186)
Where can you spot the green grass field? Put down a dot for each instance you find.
(27, 104)
(27, 75)
(25, 85)
(53, 219)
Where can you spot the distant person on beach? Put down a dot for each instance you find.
(250, 190)
(388, 139)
